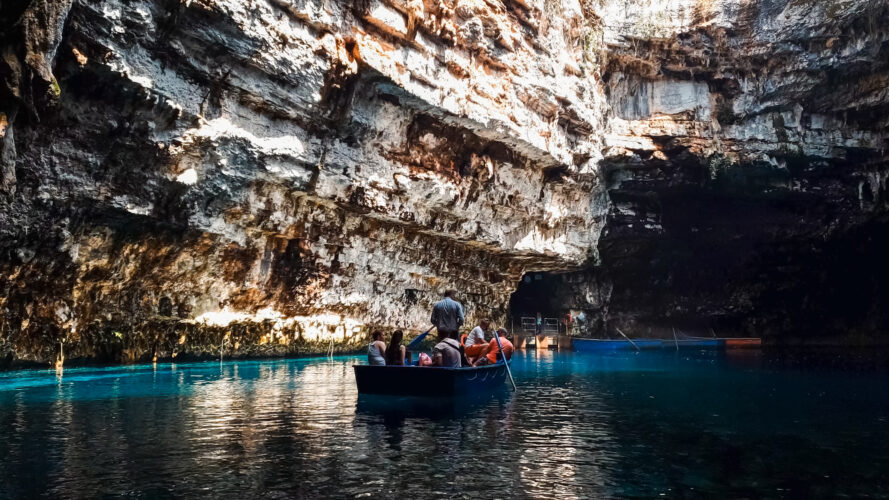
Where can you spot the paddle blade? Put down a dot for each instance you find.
(416, 342)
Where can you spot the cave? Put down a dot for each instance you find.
(165, 306)
(351, 174)
(740, 253)
(555, 296)
(546, 293)
(217, 187)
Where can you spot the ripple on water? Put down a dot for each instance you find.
(581, 426)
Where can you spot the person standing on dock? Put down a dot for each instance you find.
(447, 315)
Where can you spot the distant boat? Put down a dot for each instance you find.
(736, 343)
(598, 345)
(582, 345)
(696, 343)
(722, 342)
(428, 380)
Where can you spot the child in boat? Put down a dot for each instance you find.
(375, 350)
(395, 351)
(489, 355)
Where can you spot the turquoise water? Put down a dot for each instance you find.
(659, 424)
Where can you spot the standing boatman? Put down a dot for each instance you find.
(447, 315)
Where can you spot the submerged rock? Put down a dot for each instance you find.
(263, 178)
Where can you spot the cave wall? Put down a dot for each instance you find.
(745, 165)
(267, 177)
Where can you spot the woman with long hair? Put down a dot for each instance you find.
(395, 351)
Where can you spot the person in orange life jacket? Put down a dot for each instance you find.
(489, 355)
(475, 342)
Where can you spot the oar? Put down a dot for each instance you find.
(505, 361)
(675, 339)
(416, 342)
(628, 338)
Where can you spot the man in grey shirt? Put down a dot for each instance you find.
(447, 315)
(447, 353)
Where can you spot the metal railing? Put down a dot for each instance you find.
(549, 326)
(529, 325)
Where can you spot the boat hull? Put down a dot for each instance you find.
(597, 345)
(743, 343)
(584, 345)
(428, 381)
(695, 343)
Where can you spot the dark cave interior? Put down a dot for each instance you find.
(540, 292)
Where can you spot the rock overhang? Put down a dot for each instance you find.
(352, 159)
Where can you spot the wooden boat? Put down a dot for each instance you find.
(694, 343)
(718, 342)
(588, 345)
(427, 380)
(742, 343)
(598, 345)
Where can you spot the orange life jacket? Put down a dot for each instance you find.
(494, 349)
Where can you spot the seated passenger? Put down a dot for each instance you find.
(489, 357)
(475, 341)
(423, 359)
(447, 352)
(375, 350)
(395, 351)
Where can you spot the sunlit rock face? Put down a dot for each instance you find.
(190, 178)
(275, 177)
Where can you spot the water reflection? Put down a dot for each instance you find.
(566, 436)
(580, 426)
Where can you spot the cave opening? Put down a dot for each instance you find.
(533, 295)
(543, 293)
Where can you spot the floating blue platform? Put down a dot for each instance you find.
(584, 345)
(695, 343)
(591, 345)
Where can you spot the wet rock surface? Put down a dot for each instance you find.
(746, 183)
(276, 177)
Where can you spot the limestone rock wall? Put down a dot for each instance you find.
(745, 162)
(268, 177)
